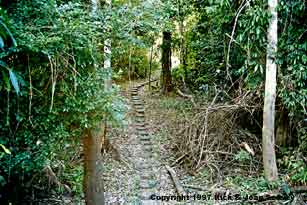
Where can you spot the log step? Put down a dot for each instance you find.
(147, 184)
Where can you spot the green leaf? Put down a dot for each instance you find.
(9, 33)
(2, 180)
(7, 151)
(1, 43)
(6, 80)
(14, 81)
(3, 64)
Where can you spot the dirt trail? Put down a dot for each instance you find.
(145, 162)
(141, 173)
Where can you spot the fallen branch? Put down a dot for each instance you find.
(196, 187)
(175, 179)
(204, 132)
(178, 159)
(145, 83)
(52, 178)
(299, 189)
(190, 97)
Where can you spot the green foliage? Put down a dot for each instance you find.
(56, 70)
(249, 185)
(209, 40)
(206, 42)
(134, 28)
(295, 164)
(7, 38)
(242, 156)
(293, 61)
(178, 73)
(5, 149)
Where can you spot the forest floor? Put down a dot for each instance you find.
(121, 176)
(163, 115)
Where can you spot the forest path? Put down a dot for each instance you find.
(141, 171)
(145, 162)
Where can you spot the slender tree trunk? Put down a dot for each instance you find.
(129, 65)
(150, 66)
(92, 182)
(182, 42)
(108, 54)
(94, 6)
(268, 138)
(166, 81)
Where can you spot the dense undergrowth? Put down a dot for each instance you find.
(56, 91)
(51, 86)
(232, 153)
(209, 51)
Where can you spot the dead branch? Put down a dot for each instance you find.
(205, 130)
(231, 38)
(190, 97)
(145, 83)
(299, 189)
(179, 158)
(200, 188)
(175, 179)
(52, 178)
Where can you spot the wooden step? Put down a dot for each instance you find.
(147, 175)
(138, 102)
(145, 138)
(138, 114)
(146, 195)
(146, 143)
(147, 184)
(147, 148)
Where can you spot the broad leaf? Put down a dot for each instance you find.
(3, 64)
(14, 81)
(7, 151)
(6, 80)
(9, 33)
(1, 43)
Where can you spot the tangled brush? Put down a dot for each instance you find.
(214, 137)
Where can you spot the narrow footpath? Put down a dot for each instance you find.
(145, 164)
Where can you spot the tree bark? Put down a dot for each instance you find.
(92, 181)
(108, 54)
(166, 78)
(150, 66)
(182, 41)
(129, 64)
(268, 138)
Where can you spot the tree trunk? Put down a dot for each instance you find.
(108, 53)
(129, 64)
(268, 139)
(166, 79)
(150, 66)
(92, 181)
(182, 41)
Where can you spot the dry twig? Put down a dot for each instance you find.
(175, 179)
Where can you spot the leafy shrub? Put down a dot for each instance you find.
(57, 68)
(295, 164)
